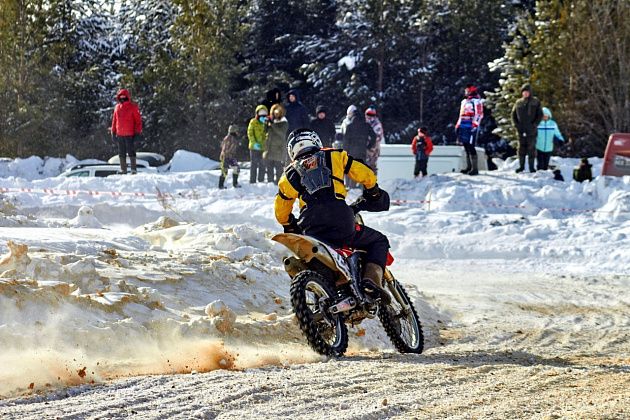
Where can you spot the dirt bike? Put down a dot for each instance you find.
(326, 295)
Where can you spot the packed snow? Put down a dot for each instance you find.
(520, 281)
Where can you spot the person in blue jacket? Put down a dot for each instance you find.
(547, 131)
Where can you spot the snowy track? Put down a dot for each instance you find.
(480, 367)
(526, 311)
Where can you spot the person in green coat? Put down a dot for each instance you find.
(257, 134)
(276, 144)
(526, 115)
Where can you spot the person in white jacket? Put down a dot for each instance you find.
(467, 127)
(548, 130)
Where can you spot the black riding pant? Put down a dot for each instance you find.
(333, 223)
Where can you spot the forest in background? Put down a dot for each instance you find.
(196, 66)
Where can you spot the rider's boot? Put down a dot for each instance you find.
(372, 280)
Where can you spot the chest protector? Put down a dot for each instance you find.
(316, 180)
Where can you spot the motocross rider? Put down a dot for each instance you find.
(315, 177)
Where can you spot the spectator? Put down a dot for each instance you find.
(323, 126)
(296, 112)
(272, 97)
(126, 129)
(256, 134)
(526, 115)
(583, 172)
(229, 150)
(276, 145)
(374, 152)
(548, 133)
(358, 137)
(421, 146)
(467, 127)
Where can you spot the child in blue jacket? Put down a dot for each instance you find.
(547, 131)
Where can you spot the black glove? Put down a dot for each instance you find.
(372, 194)
(292, 226)
(368, 202)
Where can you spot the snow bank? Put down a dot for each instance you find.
(34, 167)
(184, 161)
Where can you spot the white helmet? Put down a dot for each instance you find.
(302, 141)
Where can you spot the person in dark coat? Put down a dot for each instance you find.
(583, 172)
(323, 126)
(526, 115)
(297, 115)
(272, 97)
(358, 137)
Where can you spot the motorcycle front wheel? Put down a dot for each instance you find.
(311, 296)
(401, 322)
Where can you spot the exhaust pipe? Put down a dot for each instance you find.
(343, 306)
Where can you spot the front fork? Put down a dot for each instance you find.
(391, 286)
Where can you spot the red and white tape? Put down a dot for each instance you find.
(497, 205)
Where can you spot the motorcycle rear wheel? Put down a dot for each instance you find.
(311, 295)
(402, 326)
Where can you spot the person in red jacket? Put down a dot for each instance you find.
(421, 146)
(126, 127)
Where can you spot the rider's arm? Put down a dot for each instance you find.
(285, 198)
(358, 171)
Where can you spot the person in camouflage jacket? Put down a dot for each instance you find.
(229, 150)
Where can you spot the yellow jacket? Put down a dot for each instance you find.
(289, 187)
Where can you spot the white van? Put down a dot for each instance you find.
(397, 161)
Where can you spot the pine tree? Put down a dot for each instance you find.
(514, 68)
(20, 76)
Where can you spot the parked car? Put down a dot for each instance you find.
(152, 159)
(617, 156)
(100, 169)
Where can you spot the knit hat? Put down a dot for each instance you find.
(351, 111)
(232, 129)
(320, 108)
(370, 112)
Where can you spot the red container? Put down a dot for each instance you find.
(617, 156)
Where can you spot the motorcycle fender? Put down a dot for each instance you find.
(307, 248)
